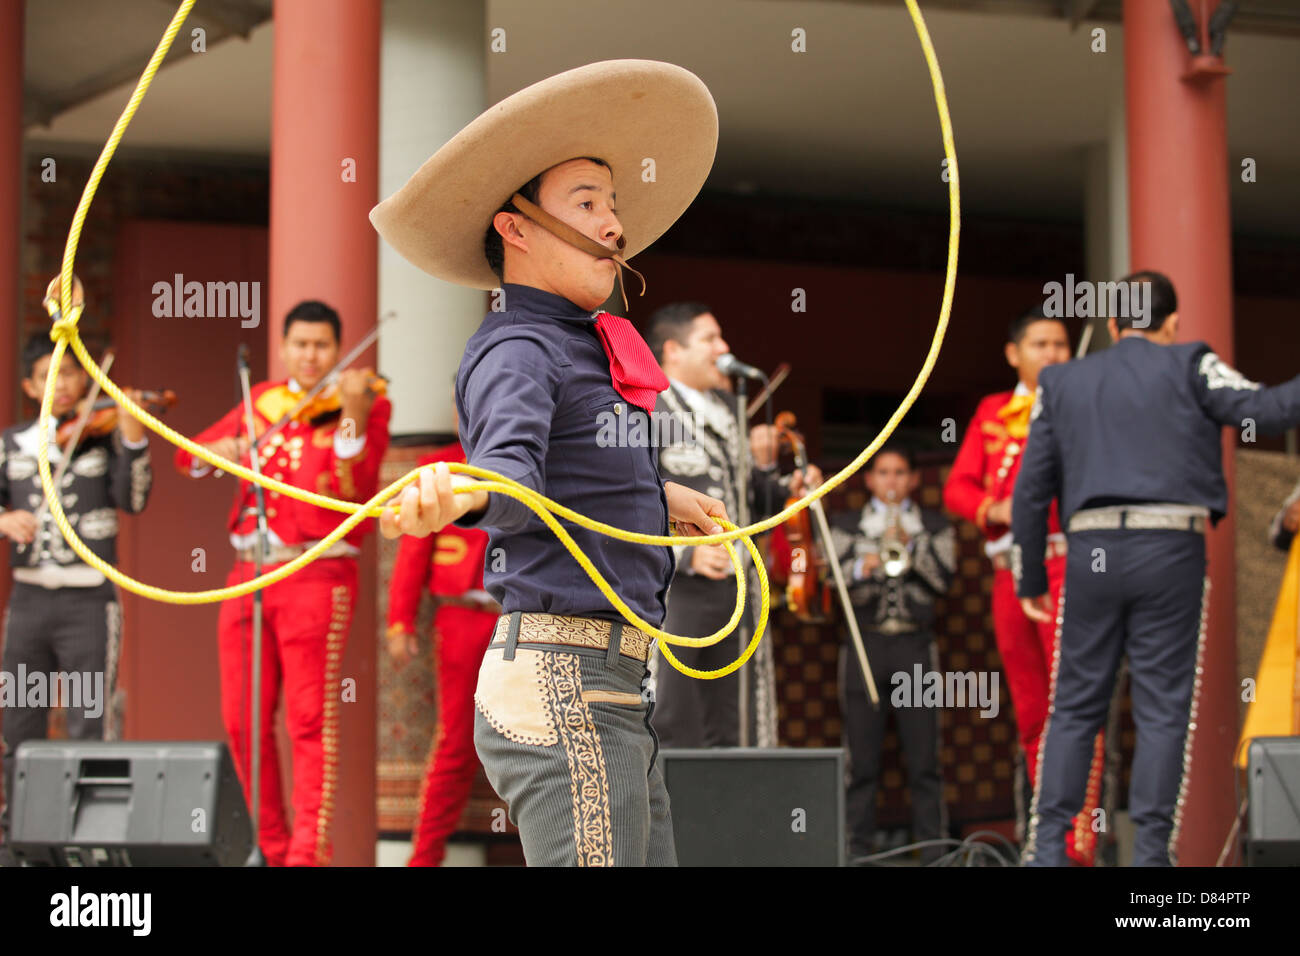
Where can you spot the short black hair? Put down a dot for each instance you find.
(494, 249)
(1020, 325)
(311, 310)
(672, 321)
(893, 447)
(36, 348)
(1162, 301)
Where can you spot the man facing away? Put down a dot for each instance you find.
(1129, 442)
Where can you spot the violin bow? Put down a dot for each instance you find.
(67, 450)
(328, 379)
(842, 589)
(777, 378)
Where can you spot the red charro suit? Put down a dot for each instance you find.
(305, 617)
(450, 563)
(983, 473)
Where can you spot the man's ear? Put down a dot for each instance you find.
(670, 351)
(1012, 352)
(913, 481)
(1171, 325)
(508, 228)
(31, 391)
(1113, 328)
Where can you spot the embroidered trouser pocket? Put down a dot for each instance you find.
(512, 696)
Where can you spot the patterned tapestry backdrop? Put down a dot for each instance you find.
(977, 756)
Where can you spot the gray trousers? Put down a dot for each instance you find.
(565, 737)
(61, 630)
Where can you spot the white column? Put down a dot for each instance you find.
(1105, 202)
(433, 81)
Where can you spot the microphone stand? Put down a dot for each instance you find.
(255, 858)
(743, 629)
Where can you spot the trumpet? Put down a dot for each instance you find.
(894, 559)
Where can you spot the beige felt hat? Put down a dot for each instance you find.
(624, 112)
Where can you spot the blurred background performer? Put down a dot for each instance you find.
(450, 563)
(333, 447)
(898, 559)
(63, 615)
(979, 489)
(699, 446)
(1137, 429)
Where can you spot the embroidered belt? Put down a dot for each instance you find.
(280, 553)
(563, 631)
(1057, 547)
(1141, 518)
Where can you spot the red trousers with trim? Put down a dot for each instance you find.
(460, 639)
(1027, 649)
(305, 620)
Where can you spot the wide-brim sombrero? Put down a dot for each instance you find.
(625, 112)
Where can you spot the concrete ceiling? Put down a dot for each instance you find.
(852, 118)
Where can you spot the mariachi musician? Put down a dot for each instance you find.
(979, 489)
(703, 452)
(332, 446)
(63, 615)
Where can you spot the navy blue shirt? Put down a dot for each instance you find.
(532, 392)
(1137, 422)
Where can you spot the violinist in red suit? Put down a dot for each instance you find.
(450, 564)
(333, 447)
(979, 489)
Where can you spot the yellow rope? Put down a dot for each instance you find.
(65, 335)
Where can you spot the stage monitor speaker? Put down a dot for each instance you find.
(1273, 833)
(749, 806)
(128, 803)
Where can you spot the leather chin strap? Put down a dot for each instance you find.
(566, 233)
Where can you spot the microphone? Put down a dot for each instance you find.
(728, 364)
(243, 355)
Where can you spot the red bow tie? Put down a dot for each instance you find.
(632, 366)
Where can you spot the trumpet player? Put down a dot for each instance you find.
(898, 558)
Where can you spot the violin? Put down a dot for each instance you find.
(329, 403)
(104, 415)
(281, 406)
(807, 589)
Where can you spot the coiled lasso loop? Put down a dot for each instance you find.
(66, 335)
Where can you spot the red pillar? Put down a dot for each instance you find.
(324, 180)
(1179, 225)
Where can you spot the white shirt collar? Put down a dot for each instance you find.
(1021, 389)
(878, 505)
(693, 395)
